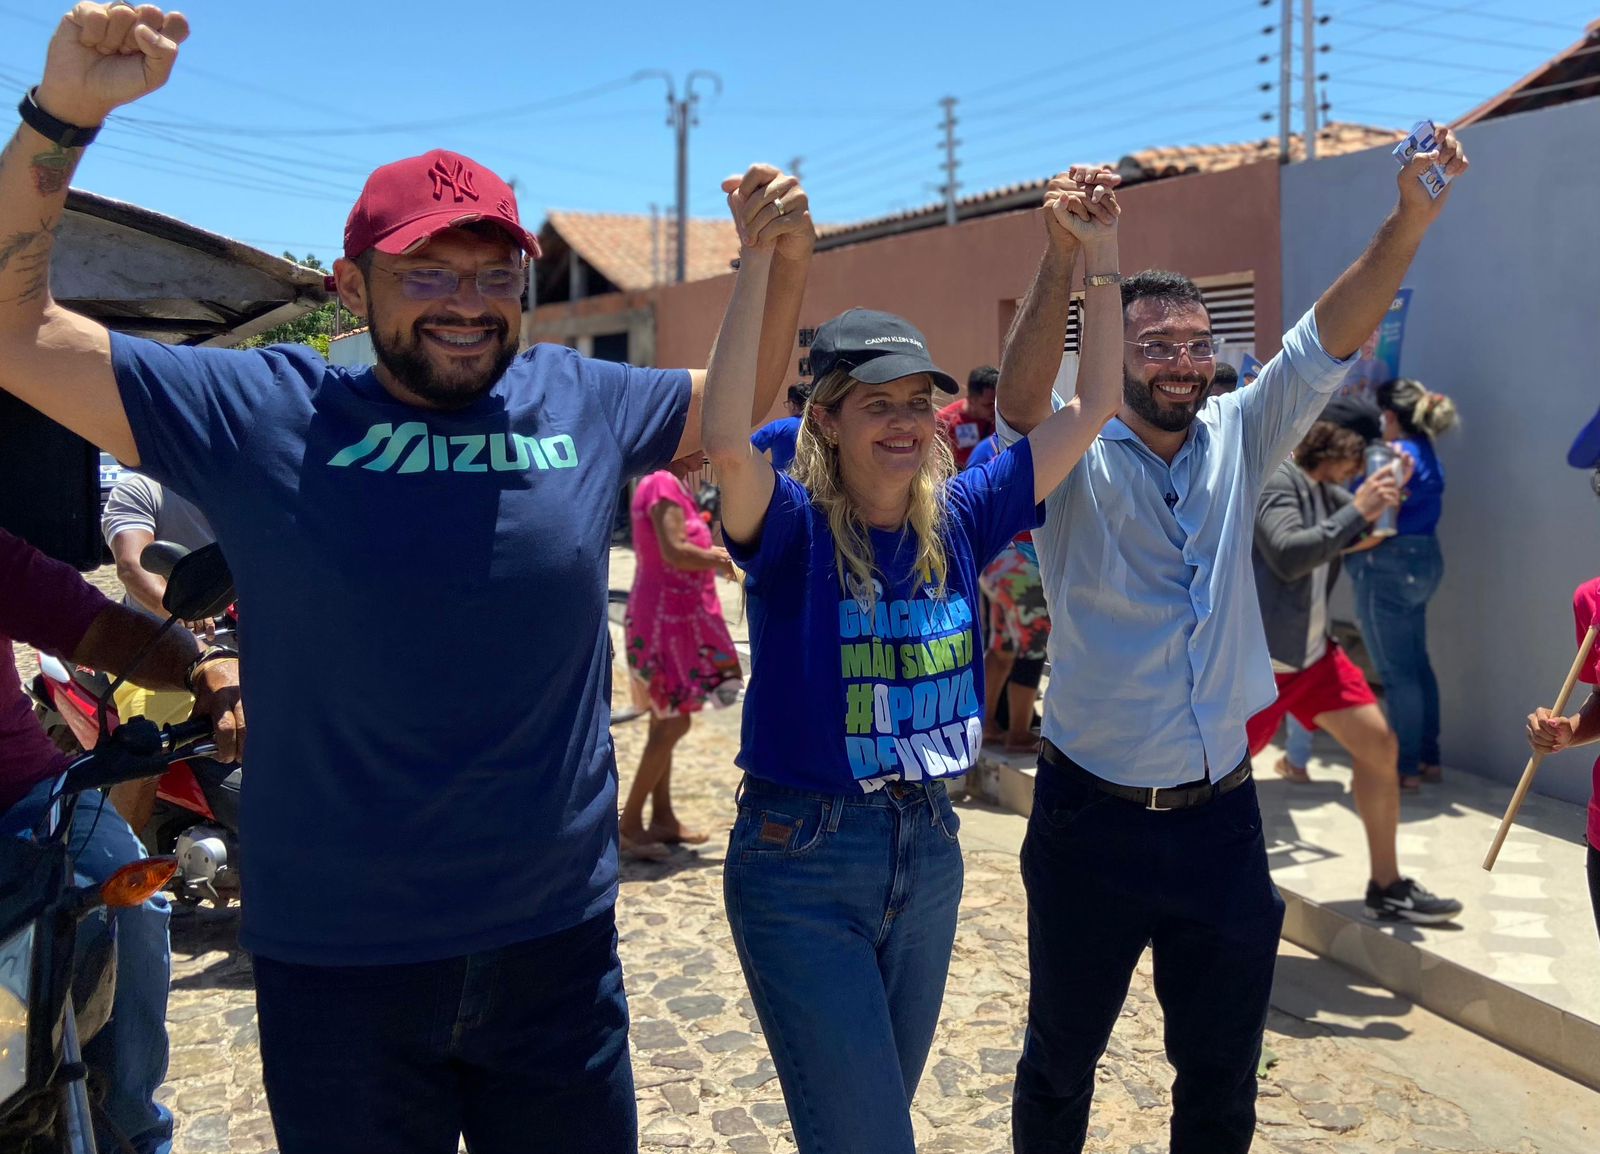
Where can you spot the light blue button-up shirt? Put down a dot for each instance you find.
(1157, 652)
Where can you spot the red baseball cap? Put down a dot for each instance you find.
(405, 203)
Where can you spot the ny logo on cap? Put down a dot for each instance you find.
(507, 209)
(457, 177)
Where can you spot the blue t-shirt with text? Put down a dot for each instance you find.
(849, 691)
(423, 625)
(779, 436)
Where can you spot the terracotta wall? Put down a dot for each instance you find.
(960, 285)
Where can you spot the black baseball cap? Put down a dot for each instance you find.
(1357, 414)
(1585, 451)
(875, 348)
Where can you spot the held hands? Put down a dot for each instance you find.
(1415, 202)
(1549, 732)
(1378, 492)
(1081, 206)
(106, 55)
(216, 696)
(771, 212)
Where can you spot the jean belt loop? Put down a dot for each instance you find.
(738, 790)
(834, 808)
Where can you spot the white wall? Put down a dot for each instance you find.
(352, 351)
(1505, 319)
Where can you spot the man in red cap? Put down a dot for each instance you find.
(432, 855)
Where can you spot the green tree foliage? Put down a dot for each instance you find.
(313, 328)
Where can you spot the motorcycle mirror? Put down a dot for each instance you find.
(200, 585)
(159, 557)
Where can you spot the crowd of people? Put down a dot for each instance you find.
(464, 980)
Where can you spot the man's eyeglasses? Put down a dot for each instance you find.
(434, 284)
(1200, 349)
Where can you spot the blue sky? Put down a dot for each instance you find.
(277, 112)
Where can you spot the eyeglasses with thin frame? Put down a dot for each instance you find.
(434, 284)
(1200, 349)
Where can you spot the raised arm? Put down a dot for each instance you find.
(781, 213)
(1089, 214)
(57, 361)
(1032, 354)
(746, 477)
(1353, 306)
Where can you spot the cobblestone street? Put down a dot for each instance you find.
(1344, 1083)
(705, 1081)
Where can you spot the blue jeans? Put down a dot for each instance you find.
(1104, 879)
(843, 909)
(523, 1049)
(1393, 584)
(1297, 743)
(129, 1054)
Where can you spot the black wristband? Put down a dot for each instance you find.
(215, 653)
(53, 130)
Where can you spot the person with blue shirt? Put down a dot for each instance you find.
(449, 507)
(1145, 829)
(776, 438)
(1395, 581)
(866, 692)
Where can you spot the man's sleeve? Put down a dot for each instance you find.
(992, 503)
(647, 408)
(1287, 397)
(783, 539)
(134, 504)
(43, 602)
(1585, 611)
(1291, 548)
(193, 409)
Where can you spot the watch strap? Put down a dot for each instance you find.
(53, 130)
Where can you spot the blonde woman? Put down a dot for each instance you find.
(1395, 581)
(866, 694)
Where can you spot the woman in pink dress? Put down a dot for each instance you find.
(678, 648)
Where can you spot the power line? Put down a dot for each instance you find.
(1470, 11)
(1342, 52)
(1434, 34)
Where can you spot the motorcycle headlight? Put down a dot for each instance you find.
(16, 970)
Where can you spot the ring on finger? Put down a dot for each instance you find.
(777, 203)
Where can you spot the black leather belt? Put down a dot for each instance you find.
(1178, 797)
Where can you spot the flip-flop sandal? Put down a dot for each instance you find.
(643, 850)
(1290, 772)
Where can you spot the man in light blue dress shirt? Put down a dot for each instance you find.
(1145, 828)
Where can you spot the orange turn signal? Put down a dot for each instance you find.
(135, 882)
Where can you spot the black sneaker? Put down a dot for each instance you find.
(1409, 901)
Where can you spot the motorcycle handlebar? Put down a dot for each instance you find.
(135, 749)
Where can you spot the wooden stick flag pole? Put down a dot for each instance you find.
(1533, 762)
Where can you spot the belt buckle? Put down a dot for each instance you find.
(1153, 807)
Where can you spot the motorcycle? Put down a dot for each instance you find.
(57, 944)
(196, 816)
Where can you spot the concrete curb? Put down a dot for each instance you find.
(1559, 1039)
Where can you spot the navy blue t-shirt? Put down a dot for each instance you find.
(778, 436)
(848, 693)
(429, 770)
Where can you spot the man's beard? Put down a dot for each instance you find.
(1170, 418)
(409, 365)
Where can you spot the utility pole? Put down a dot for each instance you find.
(950, 163)
(1285, 79)
(794, 168)
(680, 118)
(1308, 65)
(655, 244)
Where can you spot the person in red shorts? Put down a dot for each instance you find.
(1551, 733)
(1305, 521)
